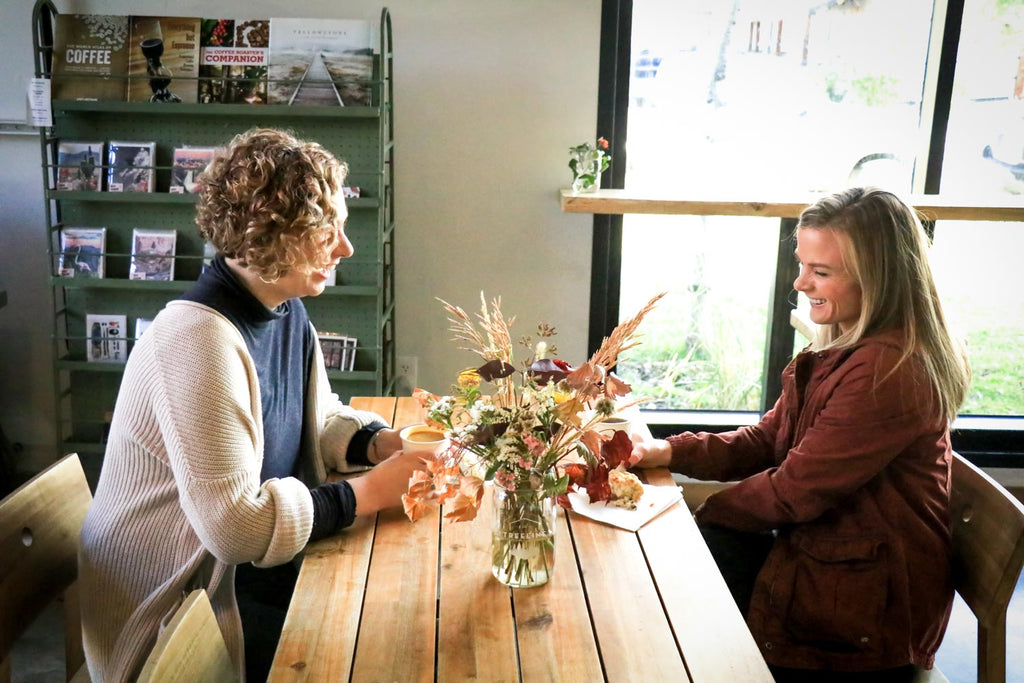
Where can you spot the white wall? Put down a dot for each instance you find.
(489, 95)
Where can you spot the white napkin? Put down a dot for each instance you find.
(651, 504)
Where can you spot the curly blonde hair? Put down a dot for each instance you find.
(270, 200)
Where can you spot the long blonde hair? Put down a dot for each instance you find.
(885, 249)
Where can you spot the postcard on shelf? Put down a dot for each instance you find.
(333, 347)
(90, 57)
(79, 166)
(106, 341)
(130, 166)
(82, 252)
(233, 61)
(153, 254)
(163, 58)
(187, 164)
(351, 192)
(140, 326)
(320, 62)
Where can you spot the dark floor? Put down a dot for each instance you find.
(39, 657)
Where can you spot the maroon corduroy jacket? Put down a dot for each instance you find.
(852, 469)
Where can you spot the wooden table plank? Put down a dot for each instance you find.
(553, 623)
(476, 631)
(408, 411)
(322, 625)
(690, 584)
(396, 640)
(382, 405)
(632, 629)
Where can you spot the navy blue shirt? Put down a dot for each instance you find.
(281, 345)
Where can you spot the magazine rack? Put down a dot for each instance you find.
(360, 305)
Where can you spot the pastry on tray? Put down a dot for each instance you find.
(626, 489)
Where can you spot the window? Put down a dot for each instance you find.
(759, 99)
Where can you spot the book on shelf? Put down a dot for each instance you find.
(106, 341)
(338, 350)
(233, 61)
(320, 62)
(186, 165)
(90, 57)
(82, 252)
(350, 353)
(140, 326)
(79, 166)
(163, 58)
(153, 254)
(130, 166)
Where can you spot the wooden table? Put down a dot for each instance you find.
(391, 600)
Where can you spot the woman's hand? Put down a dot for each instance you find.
(384, 444)
(650, 453)
(383, 486)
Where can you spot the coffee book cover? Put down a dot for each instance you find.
(320, 62)
(130, 166)
(82, 252)
(79, 166)
(186, 165)
(233, 61)
(106, 338)
(90, 57)
(153, 254)
(163, 58)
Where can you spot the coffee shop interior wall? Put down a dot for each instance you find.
(488, 97)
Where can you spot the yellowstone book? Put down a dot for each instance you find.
(90, 57)
(320, 62)
(163, 59)
(233, 61)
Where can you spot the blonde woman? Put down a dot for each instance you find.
(835, 539)
(225, 424)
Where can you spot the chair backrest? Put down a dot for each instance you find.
(191, 647)
(988, 552)
(40, 523)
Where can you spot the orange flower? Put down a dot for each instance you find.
(602, 143)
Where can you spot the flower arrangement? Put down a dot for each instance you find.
(587, 163)
(533, 428)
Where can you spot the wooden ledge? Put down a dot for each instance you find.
(933, 207)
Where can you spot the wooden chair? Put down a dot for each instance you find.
(191, 648)
(39, 527)
(988, 552)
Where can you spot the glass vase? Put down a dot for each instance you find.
(586, 172)
(522, 537)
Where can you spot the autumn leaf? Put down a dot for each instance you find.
(613, 386)
(617, 450)
(462, 508)
(548, 370)
(415, 508)
(495, 369)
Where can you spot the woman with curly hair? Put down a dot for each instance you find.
(835, 540)
(225, 425)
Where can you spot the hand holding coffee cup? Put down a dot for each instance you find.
(421, 438)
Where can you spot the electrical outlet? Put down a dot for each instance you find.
(405, 366)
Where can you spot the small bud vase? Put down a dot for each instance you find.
(586, 172)
(522, 537)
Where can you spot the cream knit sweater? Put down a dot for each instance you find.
(179, 501)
